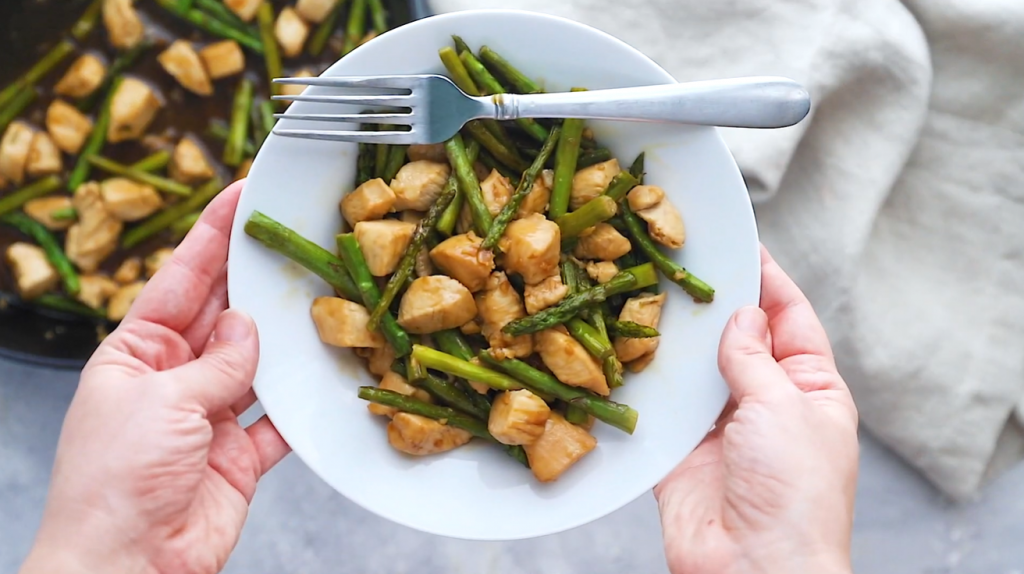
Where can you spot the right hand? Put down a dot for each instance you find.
(771, 489)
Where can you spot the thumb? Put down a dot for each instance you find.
(745, 357)
(227, 366)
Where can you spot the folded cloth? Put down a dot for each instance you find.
(896, 205)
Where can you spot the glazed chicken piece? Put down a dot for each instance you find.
(291, 32)
(532, 246)
(342, 323)
(42, 209)
(315, 10)
(121, 301)
(418, 184)
(592, 181)
(435, 303)
(96, 290)
(82, 78)
(392, 381)
(133, 107)
(371, 200)
(602, 271)
(129, 200)
(419, 436)
(603, 243)
(424, 267)
(383, 243)
(645, 197)
(67, 126)
(644, 309)
(14, 151)
(129, 271)
(379, 360)
(157, 259)
(43, 157)
(518, 417)
(189, 163)
(537, 200)
(244, 9)
(223, 59)
(665, 224)
(497, 191)
(181, 61)
(94, 237)
(460, 257)
(641, 363)
(569, 361)
(429, 152)
(498, 305)
(124, 28)
(544, 294)
(33, 273)
(562, 445)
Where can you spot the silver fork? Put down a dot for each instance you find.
(435, 109)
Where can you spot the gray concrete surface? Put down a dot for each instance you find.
(299, 526)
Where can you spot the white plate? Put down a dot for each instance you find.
(477, 492)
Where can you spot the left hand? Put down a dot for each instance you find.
(153, 471)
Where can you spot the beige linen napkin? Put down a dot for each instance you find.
(898, 205)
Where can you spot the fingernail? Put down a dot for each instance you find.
(232, 327)
(751, 321)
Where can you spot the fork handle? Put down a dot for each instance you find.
(751, 102)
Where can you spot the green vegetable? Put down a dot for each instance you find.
(597, 344)
(64, 214)
(55, 56)
(395, 160)
(379, 16)
(469, 184)
(181, 227)
(631, 330)
(153, 162)
(263, 120)
(501, 66)
(460, 44)
(637, 169)
(696, 288)
(235, 146)
(272, 57)
(354, 261)
(565, 167)
(599, 209)
(161, 183)
(325, 30)
(208, 23)
(21, 100)
(489, 86)
(164, 219)
(452, 395)
(620, 185)
(84, 26)
(217, 9)
(576, 415)
(50, 245)
(36, 189)
(218, 130)
(66, 305)
(448, 219)
(593, 157)
(438, 361)
(356, 26)
(92, 146)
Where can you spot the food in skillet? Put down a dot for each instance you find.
(113, 142)
(501, 284)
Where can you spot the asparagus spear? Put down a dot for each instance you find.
(522, 190)
(450, 216)
(407, 264)
(181, 227)
(50, 60)
(211, 25)
(366, 163)
(618, 415)
(217, 9)
(620, 185)
(452, 395)
(153, 162)
(599, 209)
(123, 61)
(309, 255)
(469, 184)
(453, 343)
(272, 55)
(631, 330)
(395, 161)
(379, 16)
(489, 161)
(64, 214)
(161, 183)
(637, 169)
(593, 156)
(598, 345)
(325, 30)
(565, 166)
(434, 359)
(354, 261)
(161, 221)
(458, 73)
(489, 86)
(626, 280)
(576, 415)
(263, 120)
(95, 142)
(356, 26)
(21, 100)
(518, 80)
(505, 153)
(460, 45)
(20, 197)
(66, 305)
(219, 131)
(50, 245)
(696, 288)
(84, 26)
(235, 146)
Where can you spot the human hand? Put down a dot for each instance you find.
(153, 471)
(771, 489)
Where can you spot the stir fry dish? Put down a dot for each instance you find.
(500, 284)
(118, 136)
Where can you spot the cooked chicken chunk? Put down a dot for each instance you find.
(129, 200)
(569, 361)
(532, 246)
(497, 191)
(342, 323)
(460, 257)
(14, 151)
(372, 200)
(96, 290)
(383, 243)
(644, 309)
(602, 271)
(43, 157)
(429, 152)
(537, 200)
(603, 242)
(133, 107)
(67, 126)
(94, 237)
(665, 224)
(223, 59)
(42, 209)
(518, 417)
(592, 181)
(641, 363)
(498, 305)
(157, 259)
(379, 360)
(315, 10)
(129, 271)
(181, 61)
(33, 273)
(244, 9)
(291, 32)
(392, 381)
(410, 216)
(82, 78)
(121, 301)
(471, 328)
(544, 294)
(418, 184)
(124, 28)
(294, 89)
(424, 266)
(435, 303)
(562, 445)
(418, 436)
(645, 197)
(189, 163)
